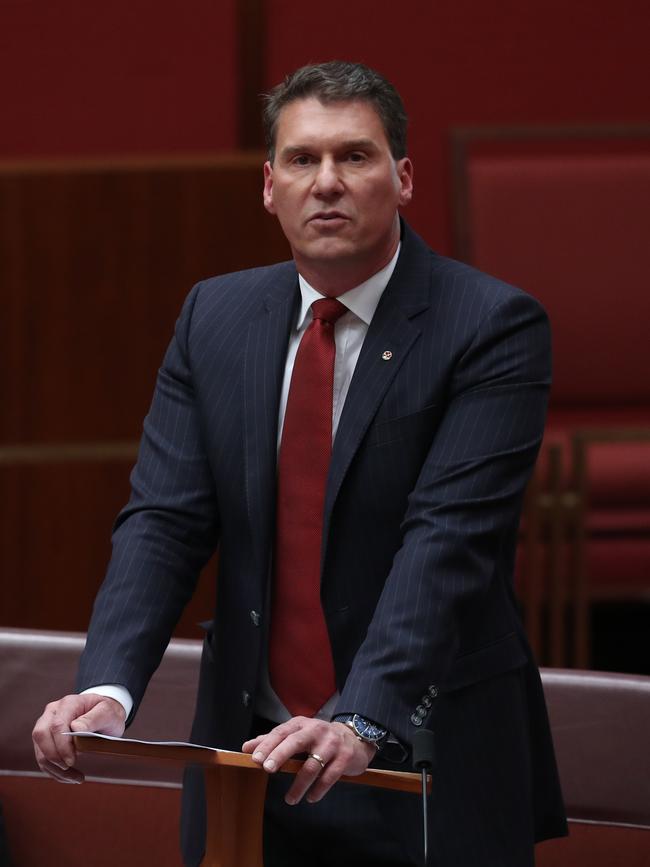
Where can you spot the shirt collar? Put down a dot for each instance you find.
(362, 300)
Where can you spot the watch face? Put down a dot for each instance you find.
(367, 730)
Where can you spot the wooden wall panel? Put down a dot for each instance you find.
(55, 542)
(96, 260)
(96, 263)
(56, 539)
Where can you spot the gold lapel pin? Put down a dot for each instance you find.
(387, 355)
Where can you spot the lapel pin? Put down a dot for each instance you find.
(386, 355)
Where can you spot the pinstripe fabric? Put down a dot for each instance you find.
(434, 447)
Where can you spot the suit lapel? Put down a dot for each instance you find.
(391, 336)
(265, 355)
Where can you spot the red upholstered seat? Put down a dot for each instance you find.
(573, 231)
(617, 517)
(619, 472)
(565, 214)
(600, 729)
(128, 812)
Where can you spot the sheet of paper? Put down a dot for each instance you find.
(136, 741)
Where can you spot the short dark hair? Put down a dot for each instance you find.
(339, 81)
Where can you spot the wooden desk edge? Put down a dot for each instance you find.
(400, 781)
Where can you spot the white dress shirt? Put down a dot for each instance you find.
(349, 333)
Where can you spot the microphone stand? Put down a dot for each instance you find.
(423, 755)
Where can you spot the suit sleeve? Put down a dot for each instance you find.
(161, 539)
(460, 524)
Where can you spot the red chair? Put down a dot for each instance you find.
(600, 725)
(564, 213)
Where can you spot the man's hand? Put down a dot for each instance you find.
(333, 742)
(55, 752)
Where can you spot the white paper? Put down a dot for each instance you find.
(136, 741)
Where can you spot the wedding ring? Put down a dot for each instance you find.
(318, 759)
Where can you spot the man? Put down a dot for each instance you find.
(365, 594)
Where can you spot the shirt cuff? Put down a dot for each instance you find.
(113, 690)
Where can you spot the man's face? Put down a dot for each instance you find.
(335, 188)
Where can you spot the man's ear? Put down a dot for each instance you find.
(405, 174)
(268, 188)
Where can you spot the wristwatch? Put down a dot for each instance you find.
(364, 729)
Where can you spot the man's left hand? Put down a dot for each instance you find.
(333, 742)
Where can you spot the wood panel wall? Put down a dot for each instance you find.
(95, 261)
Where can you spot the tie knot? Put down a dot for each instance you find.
(329, 309)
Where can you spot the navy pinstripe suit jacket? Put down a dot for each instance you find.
(429, 465)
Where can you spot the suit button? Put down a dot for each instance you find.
(433, 691)
(416, 720)
(420, 711)
(246, 698)
(255, 617)
(426, 701)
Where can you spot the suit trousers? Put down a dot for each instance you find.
(347, 828)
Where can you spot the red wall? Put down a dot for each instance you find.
(130, 76)
(465, 62)
(143, 76)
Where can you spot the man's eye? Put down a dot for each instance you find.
(301, 160)
(356, 157)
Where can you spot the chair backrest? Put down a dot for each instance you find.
(600, 721)
(601, 730)
(129, 804)
(39, 666)
(564, 213)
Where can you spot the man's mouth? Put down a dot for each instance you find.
(328, 216)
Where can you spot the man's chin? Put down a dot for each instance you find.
(327, 249)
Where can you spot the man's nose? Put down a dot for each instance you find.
(328, 180)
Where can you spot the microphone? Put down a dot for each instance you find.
(423, 756)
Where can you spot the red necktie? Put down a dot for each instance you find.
(300, 657)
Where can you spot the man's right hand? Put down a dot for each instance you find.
(55, 752)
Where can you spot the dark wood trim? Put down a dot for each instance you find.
(63, 453)
(461, 241)
(251, 39)
(580, 443)
(554, 131)
(549, 522)
(588, 436)
(462, 138)
(532, 590)
(557, 651)
(135, 163)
